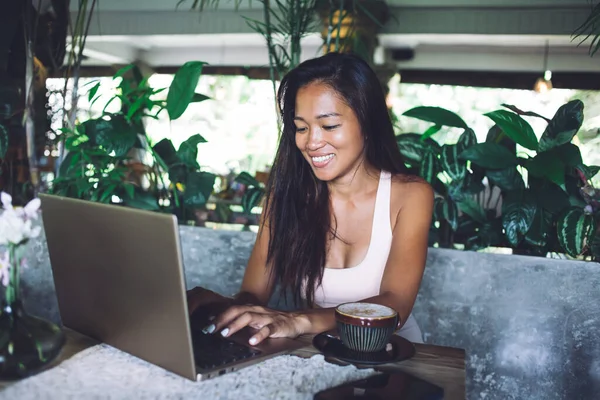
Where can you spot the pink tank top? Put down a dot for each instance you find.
(362, 281)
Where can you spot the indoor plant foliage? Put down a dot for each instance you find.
(487, 194)
(26, 342)
(110, 157)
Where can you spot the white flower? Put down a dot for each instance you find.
(15, 223)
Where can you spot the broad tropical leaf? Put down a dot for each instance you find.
(563, 126)
(575, 230)
(489, 155)
(589, 170)
(188, 151)
(515, 127)
(413, 148)
(246, 179)
(450, 212)
(114, 134)
(451, 164)
(546, 165)
(466, 140)
(437, 115)
(428, 167)
(540, 228)
(252, 197)
(144, 201)
(472, 208)
(432, 130)
(496, 135)
(182, 89)
(506, 179)
(518, 212)
(198, 188)
(166, 151)
(549, 195)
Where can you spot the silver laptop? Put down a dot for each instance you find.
(119, 278)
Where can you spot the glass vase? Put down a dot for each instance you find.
(27, 343)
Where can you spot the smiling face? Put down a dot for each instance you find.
(327, 132)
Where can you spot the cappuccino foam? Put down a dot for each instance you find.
(366, 310)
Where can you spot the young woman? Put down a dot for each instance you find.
(343, 221)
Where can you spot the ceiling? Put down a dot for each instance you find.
(482, 35)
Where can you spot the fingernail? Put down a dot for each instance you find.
(209, 329)
(253, 341)
(225, 331)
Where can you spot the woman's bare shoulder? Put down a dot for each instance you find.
(410, 190)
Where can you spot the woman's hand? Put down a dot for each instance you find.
(269, 323)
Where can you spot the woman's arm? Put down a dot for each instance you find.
(406, 262)
(256, 285)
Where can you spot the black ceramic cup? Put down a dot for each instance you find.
(366, 327)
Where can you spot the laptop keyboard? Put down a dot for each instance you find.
(212, 351)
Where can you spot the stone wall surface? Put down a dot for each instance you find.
(530, 326)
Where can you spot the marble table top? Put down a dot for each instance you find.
(89, 369)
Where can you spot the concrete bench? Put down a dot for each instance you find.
(530, 326)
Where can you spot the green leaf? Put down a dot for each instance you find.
(437, 115)
(143, 201)
(246, 179)
(515, 127)
(93, 91)
(589, 171)
(546, 165)
(450, 212)
(489, 155)
(166, 151)
(198, 97)
(114, 134)
(466, 140)
(506, 179)
(563, 127)
(3, 141)
(413, 148)
(182, 89)
(549, 195)
(575, 230)
(432, 130)
(123, 71)
(473, 183)
(198, 188)
(496, 135)
(428, 168)
(472, 208)
(188, 151)
(251, 198)
(540, 228)
(451, 164)
(518, 212)
(568, 153)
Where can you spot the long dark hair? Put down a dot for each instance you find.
(297, 203)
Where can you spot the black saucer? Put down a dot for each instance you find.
(398, 349)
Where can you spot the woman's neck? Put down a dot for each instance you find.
(361, 180)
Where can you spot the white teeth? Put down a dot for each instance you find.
(322, 158)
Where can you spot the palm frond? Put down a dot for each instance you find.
(590, 28)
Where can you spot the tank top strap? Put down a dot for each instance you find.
(381, 217)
